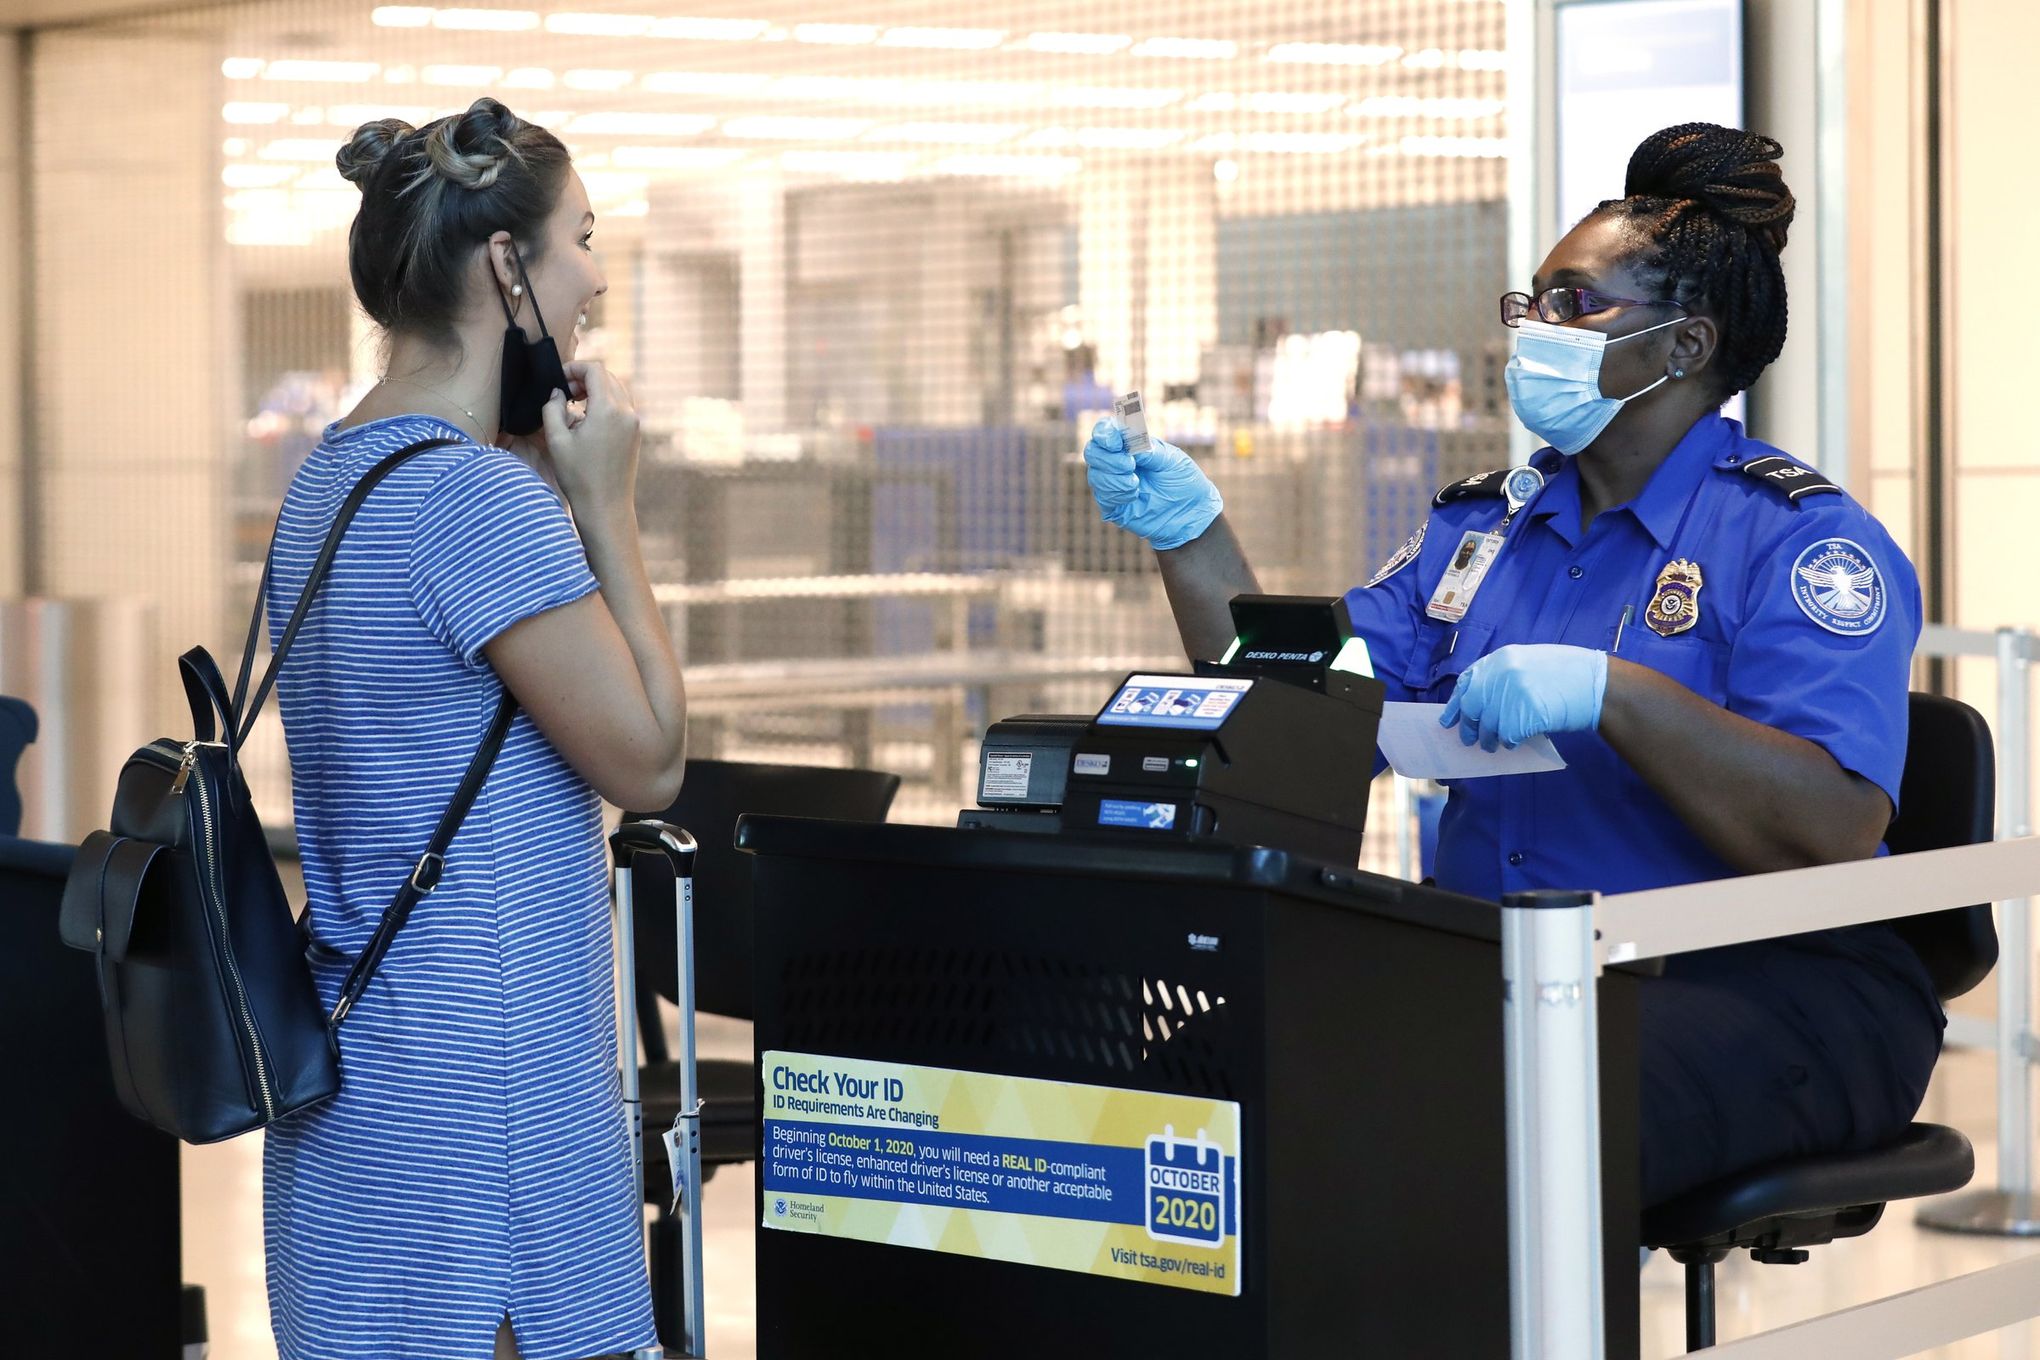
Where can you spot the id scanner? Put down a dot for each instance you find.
(1273, 745)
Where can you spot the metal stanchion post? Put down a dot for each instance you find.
(1405, 807)
(1551, 1063)
(2009, 1209)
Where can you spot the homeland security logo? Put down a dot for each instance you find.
(779, 1208)
(1837, 586)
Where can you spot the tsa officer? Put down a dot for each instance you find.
(1717, 638)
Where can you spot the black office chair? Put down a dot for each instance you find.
(17, 730)
(714, 794)
(1777, 1211)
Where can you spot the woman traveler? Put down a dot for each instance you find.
(471, 1180)
(1718, 639)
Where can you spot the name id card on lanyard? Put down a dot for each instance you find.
(1477, 551)
(1469, 567)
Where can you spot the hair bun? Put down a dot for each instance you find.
(1732, 173)
(470, 150)
(370, 146)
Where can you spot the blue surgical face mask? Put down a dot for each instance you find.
(1554, 380)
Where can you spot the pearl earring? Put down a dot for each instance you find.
(516, 290)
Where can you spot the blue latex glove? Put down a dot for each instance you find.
(1162, 494)
(1520, 691)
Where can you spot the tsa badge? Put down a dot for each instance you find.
(1676, 605)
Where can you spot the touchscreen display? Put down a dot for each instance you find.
(1183, 703)
(1131, 812)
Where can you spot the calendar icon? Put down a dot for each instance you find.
(1189, 1186)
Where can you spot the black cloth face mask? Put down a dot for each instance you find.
(531, 368)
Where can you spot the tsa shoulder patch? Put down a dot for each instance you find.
(1484, 484)
(1404, 555)
(1795, 481)
(1836, 585)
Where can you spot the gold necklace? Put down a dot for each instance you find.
(405, 382)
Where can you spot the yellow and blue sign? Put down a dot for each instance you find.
(1136, 1185)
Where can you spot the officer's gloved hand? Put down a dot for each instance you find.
(1519, 691)
(1161, 495)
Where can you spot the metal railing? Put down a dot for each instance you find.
(2006, 1209)
(1554, 946)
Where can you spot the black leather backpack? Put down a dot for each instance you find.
(212, 1019)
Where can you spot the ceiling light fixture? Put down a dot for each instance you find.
(241, 68)
(1009, 167)
(836, 35)
(1190, 49)
(951, 39)
(619, 124)
(529, 78)
(704, 82)
(709, 30)
(312, 149)
(1286, 102)
(599, 25)
(795, 129)
(677, 157)
(1334, 54)
(1112, 97)
(1079, 44)
(486, 20)
(883, 166)
(401, 16)
(460, 76)
(255, 176)
(957, 134)
(244, 112)
(329, 72)
(597, 80)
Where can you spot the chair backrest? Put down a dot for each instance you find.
(17, 730)
(1948, 798)
(96, 1197)
(714, 794)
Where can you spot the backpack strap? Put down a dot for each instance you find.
(425, 876)
(313, 581)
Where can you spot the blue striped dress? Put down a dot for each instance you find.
(474, 1163)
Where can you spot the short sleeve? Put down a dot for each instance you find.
(492, 545)
(1385, 611)
(1825, 650)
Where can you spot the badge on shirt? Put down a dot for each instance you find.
(1675, 606)
(1836, 585)
(1469, 567)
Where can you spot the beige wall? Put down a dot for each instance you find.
(11, 416)
(132, 359)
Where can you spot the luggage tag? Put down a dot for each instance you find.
(674, 1163)
(1477, 551)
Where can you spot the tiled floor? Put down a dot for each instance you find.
(223, 1249)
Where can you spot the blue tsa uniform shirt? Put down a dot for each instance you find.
(1762, 587)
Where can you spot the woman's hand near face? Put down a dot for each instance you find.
(594, 453)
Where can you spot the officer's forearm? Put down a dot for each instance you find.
(1201, 578)
(1759, 798)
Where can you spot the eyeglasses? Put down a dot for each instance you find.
(1560, 305)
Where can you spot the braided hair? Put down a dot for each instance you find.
(1709, 210)
(431, 195)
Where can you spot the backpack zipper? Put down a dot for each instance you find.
(215, 894)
